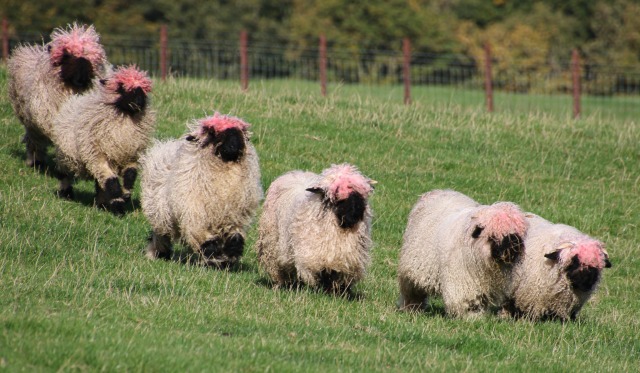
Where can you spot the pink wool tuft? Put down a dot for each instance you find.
(345, 179)
(79, 41)
(131, 78)
(220, 123)
(588, 251)
(502, 219)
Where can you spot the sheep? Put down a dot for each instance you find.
(558, 273)
(101, 135)
(43, 77)
(461, 250)
(203, 190)
(317, 229)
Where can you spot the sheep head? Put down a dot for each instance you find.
(77, 52)
(500, 229)
(225, 134)
(582, 259)
(130, 88)
(345, 191)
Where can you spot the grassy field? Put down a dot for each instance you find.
(77, 294)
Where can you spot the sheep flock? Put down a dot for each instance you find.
(203, 191)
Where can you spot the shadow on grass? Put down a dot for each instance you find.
(87, 199)
(297, 286)
(48, 168)
(186, 257)
(427, 309)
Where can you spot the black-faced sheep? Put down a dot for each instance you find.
(101, 135)
(42, 77)
(558, 273)
(317, 228)
(203, 189)
(461, 250)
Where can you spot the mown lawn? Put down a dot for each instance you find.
(77, 293)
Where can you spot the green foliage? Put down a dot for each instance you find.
(78, 293)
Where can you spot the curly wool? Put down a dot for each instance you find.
(36, 90)
(188, 194)
(540, 287)
(447, 251)
(95, 139)
(300, 237)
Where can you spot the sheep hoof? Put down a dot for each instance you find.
(65, 193)
(158, 254)
(116, 206)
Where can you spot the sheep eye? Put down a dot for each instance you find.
(477, 231)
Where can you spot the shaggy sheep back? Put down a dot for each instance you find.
(101, 134)
(317, 228)
(461, 250)
(43, 77)
(203, 190)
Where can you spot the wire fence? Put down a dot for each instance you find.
(608, 91)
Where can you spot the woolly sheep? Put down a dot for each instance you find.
(203, 189)
(102, 134)
(461, 250)
(43, 77)
(558, 273)
(317, 228)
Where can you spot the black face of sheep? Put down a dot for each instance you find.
(228, 145)
(582, 278)
(350, 211)
(506, 250)
(76, 72)
(133, 101)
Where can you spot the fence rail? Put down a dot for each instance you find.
(606, 90)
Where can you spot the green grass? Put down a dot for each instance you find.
(77, 294)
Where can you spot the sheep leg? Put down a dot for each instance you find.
(412, 298)
(129, 176)
(108, 188)
(35, 152)
(105, 198)
(159, 247)
(65, 189)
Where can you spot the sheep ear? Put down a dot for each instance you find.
(476, 232)
(316, 190)
(607, 262)
(553, 255)
(373, 183)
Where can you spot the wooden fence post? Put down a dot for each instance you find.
(164, 39)
(575, 71)
(323, 65)
(5, 39)
(488, 79)
(406, 69)
(244, 61)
